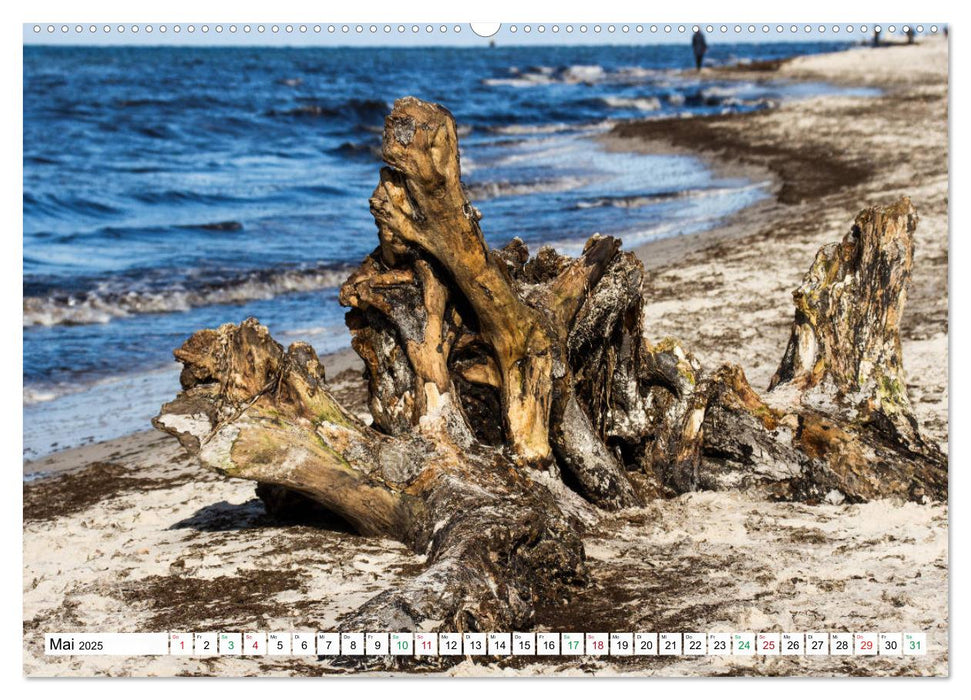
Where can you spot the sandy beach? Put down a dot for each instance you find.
(131, 535)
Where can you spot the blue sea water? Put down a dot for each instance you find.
(170, 189)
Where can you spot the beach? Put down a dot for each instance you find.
(125, 532)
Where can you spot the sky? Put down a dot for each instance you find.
(319, 34)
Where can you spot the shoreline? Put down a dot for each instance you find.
(120, 543)
(823, 175)
(657, 253)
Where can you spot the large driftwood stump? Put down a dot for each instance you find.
(512, 396)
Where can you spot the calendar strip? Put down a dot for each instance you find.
(490, 644)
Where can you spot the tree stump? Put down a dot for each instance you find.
(514, 396)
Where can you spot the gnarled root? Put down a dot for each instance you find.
(512, 395)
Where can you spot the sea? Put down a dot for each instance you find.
(171, 189)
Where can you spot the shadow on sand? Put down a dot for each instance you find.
(224, 516)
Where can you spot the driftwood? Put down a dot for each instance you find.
(512, 396)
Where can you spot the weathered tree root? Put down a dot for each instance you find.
(512, 395)
(836, 424)
(251, 409)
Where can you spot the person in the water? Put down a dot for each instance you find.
(699, 46)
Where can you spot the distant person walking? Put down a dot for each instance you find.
(699, 46)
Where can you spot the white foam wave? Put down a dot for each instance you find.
(642, 200)
(37, 395)
(583, 74)
(526, 80)
(484, 191)
(643, 104)
(545, 75)
(104, 305)
(530, 129)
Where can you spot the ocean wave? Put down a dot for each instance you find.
(635, 201)
(639, 74)
(543, 70)
(545, 75)
(733, 104)
(218, 226)
(626, 202)
(580, 74)
(729, 99)
(525, 80)
(531, 129)
(105, 304)
(167, 197)
(34, 395)
(550, 128)
(643, 104)
(46, 392)
(364, 110)
(206, 101)
(484, 191)
(58, 207)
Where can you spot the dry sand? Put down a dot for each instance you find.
(132, 536)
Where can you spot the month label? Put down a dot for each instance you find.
(106, 644)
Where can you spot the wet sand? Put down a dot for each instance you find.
(132, 536)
